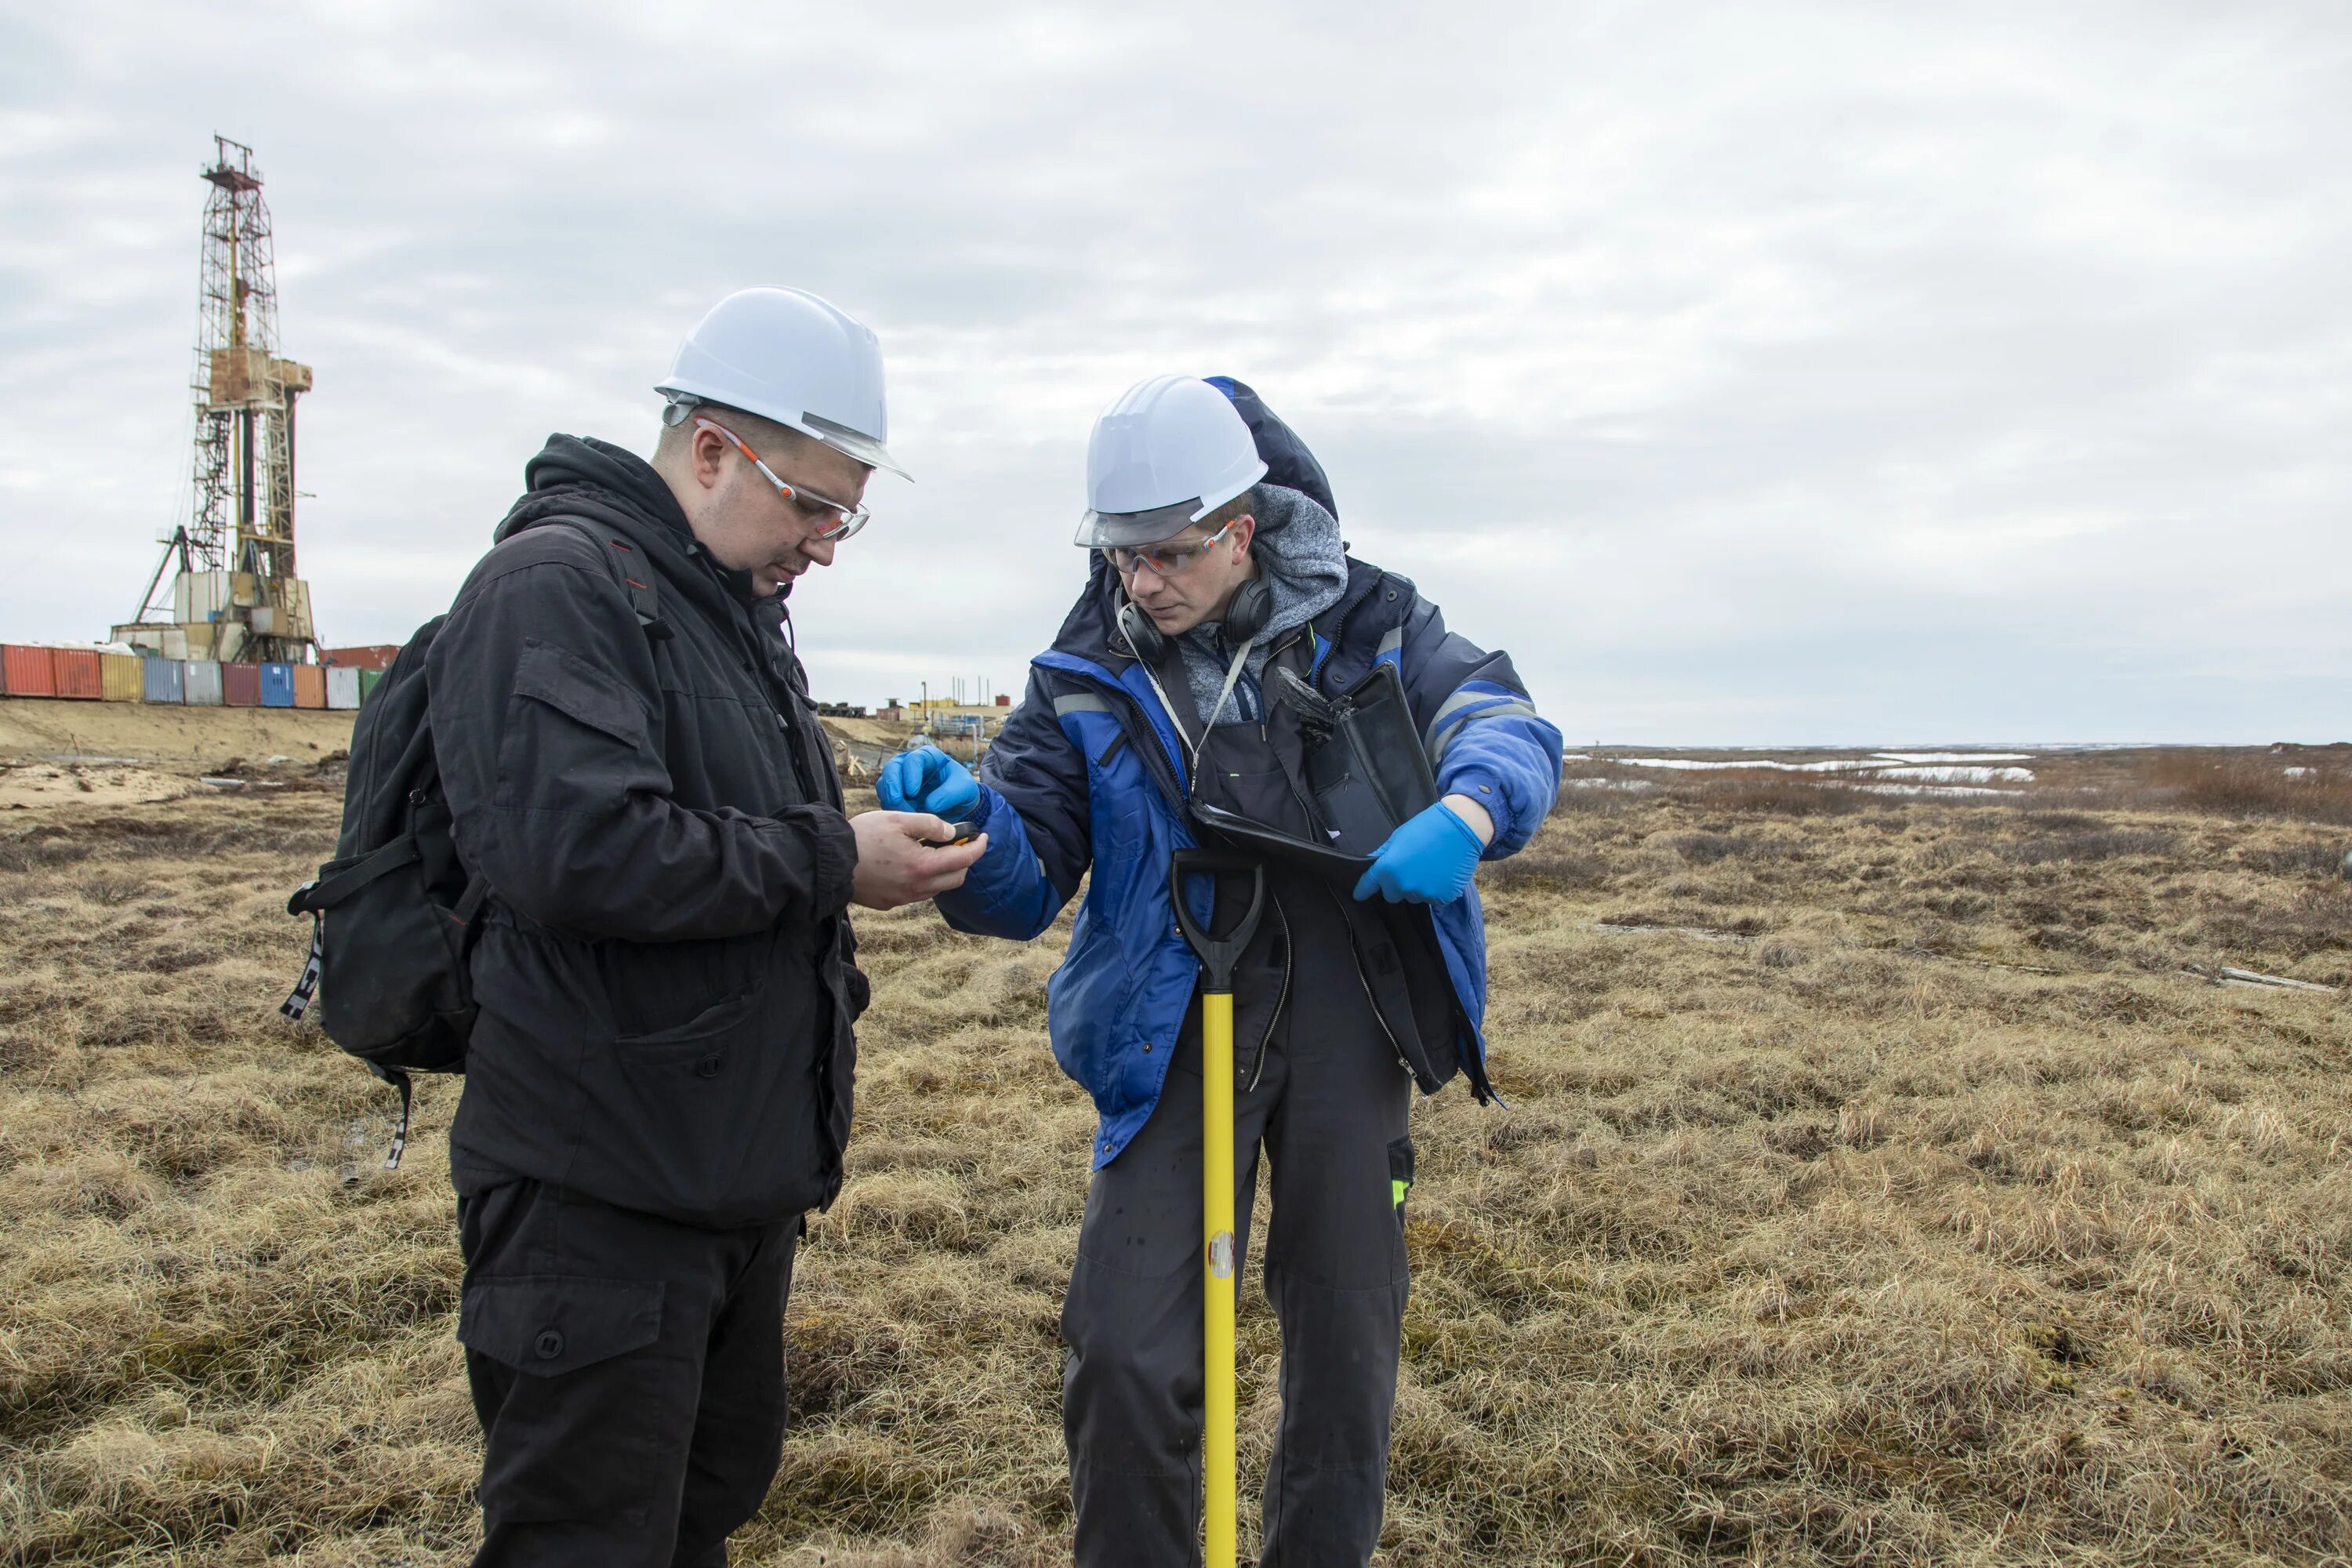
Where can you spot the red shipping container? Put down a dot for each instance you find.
(77, 673)
(26, 671)
(376, 655)
(241, 685)
(309, 686)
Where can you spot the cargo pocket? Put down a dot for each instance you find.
(574, 1435)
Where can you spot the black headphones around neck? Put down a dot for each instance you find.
(1245, 617)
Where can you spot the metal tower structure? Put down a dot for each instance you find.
(241, 522)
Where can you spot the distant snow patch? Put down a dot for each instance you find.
(1960, 776)
(1958, 756)
(1692, 764)
(1942, 792)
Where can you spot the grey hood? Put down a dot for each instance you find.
(1298, 550)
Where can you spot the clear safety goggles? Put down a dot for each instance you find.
(1166, 560)
(847, 520)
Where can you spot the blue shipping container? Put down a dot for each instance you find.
(277, 686)
(167, 680)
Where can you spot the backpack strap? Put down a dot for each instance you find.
(316, 897)
(400, 1080)
(297, 1005)
(629, 568)
(326, 892)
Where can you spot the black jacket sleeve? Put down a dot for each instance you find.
(547, 728)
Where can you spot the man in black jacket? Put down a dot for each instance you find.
(658, 1083)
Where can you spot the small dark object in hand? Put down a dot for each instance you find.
(957, 833)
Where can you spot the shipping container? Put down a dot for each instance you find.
(309, 686)
(201, 684)
(369, 681)
(76, 673)
(374, 656)
(241, 685)
(162, 680)
(343, 686)
(119, 679)
(24, 671)
(277, 685)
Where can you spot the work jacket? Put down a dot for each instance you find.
(1089, 773)
(665, 970)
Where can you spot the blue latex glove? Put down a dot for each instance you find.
(927, 779)
(1429, 860)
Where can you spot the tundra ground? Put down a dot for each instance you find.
(1883, 1181)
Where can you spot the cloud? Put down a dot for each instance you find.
(1752, 374)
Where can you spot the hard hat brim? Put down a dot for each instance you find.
(1132, 530)
(852, 444)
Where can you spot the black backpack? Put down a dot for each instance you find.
(388, 970)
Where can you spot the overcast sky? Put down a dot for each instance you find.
(1755, 373)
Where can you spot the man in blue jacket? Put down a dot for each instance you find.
(1219, 586)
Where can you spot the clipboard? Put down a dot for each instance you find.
(1336, 864)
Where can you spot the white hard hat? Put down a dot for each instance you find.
(1163, 456)
(786, 355)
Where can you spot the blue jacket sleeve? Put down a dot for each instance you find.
(1482, 734)
(1033, 807)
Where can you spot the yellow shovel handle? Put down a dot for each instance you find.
(1217, 1456)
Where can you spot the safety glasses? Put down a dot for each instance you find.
(847, 519)
(1165, 561)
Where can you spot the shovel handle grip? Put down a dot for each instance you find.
(1218, 952)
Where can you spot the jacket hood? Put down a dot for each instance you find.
(1301, 556)
(579, 476)
(571, 470)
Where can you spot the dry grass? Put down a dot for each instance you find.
(1875, 1188)
(2238, 785)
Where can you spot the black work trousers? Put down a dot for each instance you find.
(1330, 1104)
(629, 1375)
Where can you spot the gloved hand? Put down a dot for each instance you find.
(927, 779)
(1429, 860)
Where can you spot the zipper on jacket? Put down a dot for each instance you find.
(1132, 713)
(747, 633)
(1340, 625)
(1356, 958)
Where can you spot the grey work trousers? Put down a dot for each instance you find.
(1330, 1107)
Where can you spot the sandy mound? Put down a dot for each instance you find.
(52, 784)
